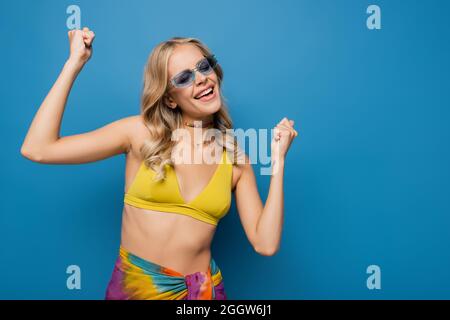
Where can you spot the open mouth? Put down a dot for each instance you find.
(205, 94)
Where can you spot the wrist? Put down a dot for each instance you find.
(277, 165)
(74, 64)
(278, 158)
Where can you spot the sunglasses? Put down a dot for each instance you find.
(186, 77)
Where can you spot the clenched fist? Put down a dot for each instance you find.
(284, 134)
(81, 44)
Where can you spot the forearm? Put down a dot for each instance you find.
(46, 124)
(270, 223)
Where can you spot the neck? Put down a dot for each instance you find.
(197, 125)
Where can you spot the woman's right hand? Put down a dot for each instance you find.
(81, 45)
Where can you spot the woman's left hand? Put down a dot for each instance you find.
(284, 133)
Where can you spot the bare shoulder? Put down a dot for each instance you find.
(243, 161)
(137, 132)
(133, 121)
(241, 168)
(133, 125)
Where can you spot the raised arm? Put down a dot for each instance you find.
(43, 142)
(263, 224)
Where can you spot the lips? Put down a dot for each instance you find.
(207, 90)
(208, 97)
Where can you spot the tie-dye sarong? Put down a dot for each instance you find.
(134, 278)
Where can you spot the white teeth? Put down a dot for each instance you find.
(204, 92)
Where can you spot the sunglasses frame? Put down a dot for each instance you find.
(212, 61)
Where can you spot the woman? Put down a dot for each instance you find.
(170, 211)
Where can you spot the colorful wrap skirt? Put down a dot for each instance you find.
(134, 278)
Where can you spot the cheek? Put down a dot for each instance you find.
(183, 96)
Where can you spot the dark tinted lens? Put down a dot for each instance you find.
(204, 66)
(212, 61)
(183, 78)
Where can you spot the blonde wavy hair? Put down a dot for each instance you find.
(161, 120)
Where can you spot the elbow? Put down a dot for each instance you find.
(268, 252)
(31, 155)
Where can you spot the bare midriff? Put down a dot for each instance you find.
(172, 240)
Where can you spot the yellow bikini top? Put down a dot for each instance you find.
(209, 206)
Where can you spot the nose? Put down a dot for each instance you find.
(199, 77)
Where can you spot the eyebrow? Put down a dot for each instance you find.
(187, 69)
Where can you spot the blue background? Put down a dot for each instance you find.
(366, 182)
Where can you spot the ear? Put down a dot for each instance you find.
(169, 101)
